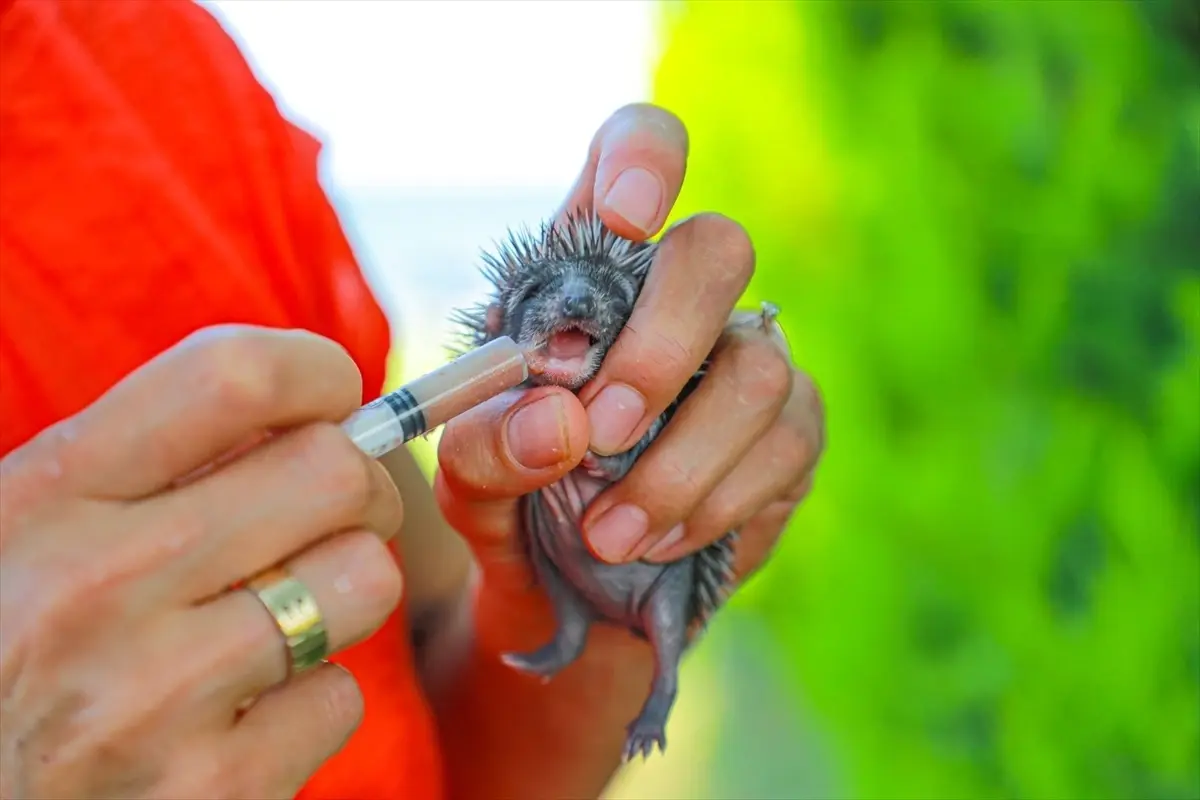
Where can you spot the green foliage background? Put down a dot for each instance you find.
(982, 222)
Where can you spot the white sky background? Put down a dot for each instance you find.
(420, 94)
(444, 123)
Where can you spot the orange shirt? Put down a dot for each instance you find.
(149, 187)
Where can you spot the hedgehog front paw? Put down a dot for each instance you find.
(606, 468)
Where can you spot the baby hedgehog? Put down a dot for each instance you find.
(565, 295)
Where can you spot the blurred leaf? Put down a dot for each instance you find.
(980, 221)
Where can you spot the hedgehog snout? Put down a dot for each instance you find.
(578, 302)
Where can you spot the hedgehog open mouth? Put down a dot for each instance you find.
(566, 355)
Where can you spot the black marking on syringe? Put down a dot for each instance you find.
(407, 410)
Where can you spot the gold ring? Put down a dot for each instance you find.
(297, 615)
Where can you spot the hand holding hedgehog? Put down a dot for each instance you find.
(662, 422)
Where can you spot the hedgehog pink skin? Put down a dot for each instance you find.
(565, 295)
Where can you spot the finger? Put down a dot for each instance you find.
(356, 583)
(513, 444)
(737, 401)
(754, 545)
(291, 731)
(490, 456)
(200, 399)
(634, 171)
(271, 502)
(701, 268)
(774, 469)
(759, 537)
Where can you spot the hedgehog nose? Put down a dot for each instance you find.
(577, 305)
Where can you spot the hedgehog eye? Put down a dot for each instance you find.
(532, 289)
(627, 291)
(621, 308)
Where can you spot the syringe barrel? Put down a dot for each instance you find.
(437, 397)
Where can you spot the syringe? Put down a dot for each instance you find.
(434, 399)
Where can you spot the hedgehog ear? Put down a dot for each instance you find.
(493, 320)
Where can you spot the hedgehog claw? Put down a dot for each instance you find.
(537, 664)
(643, 737)
(607, 468)
(591, 464)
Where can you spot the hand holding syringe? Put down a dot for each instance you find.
(437, 397)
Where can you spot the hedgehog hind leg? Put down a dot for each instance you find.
(570, 636)
(665, 621)
(574, 620)
(574, 616)
(532, 512)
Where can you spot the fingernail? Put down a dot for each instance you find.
(537, 433)
(613, 415)
(636, 195)
(618, 531)
(673, 537)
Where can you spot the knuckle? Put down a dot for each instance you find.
(378, 584)
(449, 476)
(813, 400)
(477, 523)
(724, 510)
(341, 468)
(764, 372)
(230, 786)
(65, 588)
(473, 452)
(792, 450)
(729, 244)
(256, 632)
(242, 778)
(238, 373)
(218, 773)
(807, 408)
(798, 491)
(665, 355)
(31, 472)
(61, 588)
(248, 628)
(124, 753)
(342, 705)
(759, 538)
(387, 501)
(675, 489)
(807, 393)
(659, 362)
(185, 527)
(465, 461)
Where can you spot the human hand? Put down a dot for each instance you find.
(739, 453)
(124, 668)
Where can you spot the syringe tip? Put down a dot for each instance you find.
(535, 360)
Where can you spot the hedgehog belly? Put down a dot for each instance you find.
(614, 591)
